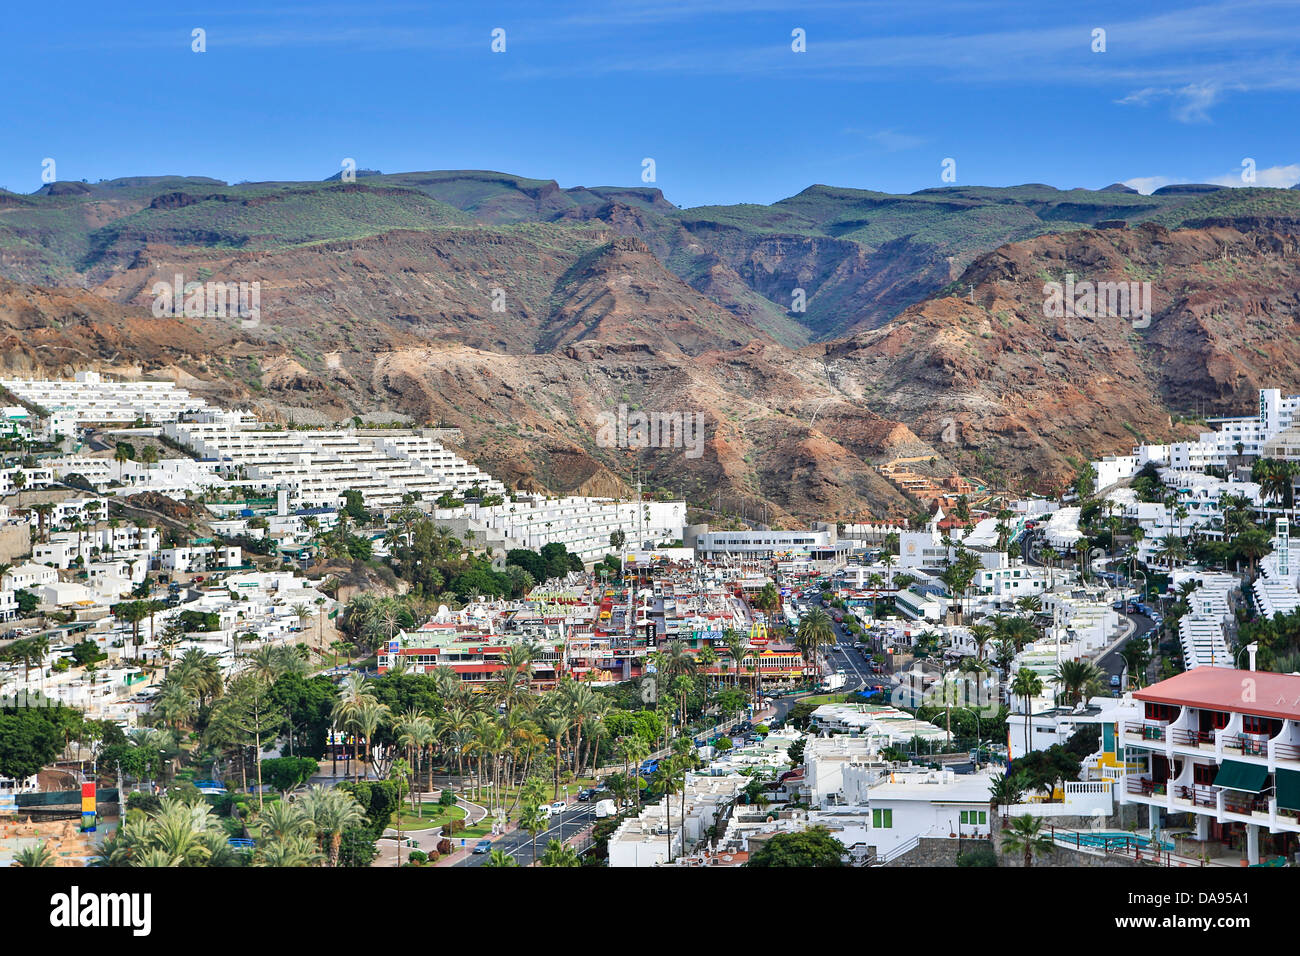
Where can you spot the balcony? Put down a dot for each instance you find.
(1286, 751)
(1143, 786)
(1192, 738)
(1146, 731)
(1248, 746)
(1245, 804)
(1198, 795)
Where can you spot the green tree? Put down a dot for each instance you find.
(811, 847)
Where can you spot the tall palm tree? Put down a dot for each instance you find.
(1028, 685)
(353, 694)
(814, 631)
(737, 646)
(366, 720)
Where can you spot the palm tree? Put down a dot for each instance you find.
(737, 646)
(981, 634)
(331, 811)
(1005, 790)
(36, 855)
(500, 858)
(814, 631)
(1076, 680)
(557, 854)
(367, 719)
(1172, 549)
(1025, 836)
(353, 694)
(1028, 685)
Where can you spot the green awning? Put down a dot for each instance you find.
(1288, 789)
(1236, 775)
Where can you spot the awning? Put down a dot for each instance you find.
(1236, 775)
(1288, 789)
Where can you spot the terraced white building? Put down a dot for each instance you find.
(318, 466)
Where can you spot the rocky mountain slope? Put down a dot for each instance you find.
(522, 312)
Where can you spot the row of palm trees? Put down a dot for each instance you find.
(305, 829)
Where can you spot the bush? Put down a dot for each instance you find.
(981, 855)
(444, 846)
(447, 798)
(138, 800)
(453, 826)
(418, 857)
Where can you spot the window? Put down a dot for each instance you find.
(1203, 774)
(1266, 726)
(882, 819)
(974, 817)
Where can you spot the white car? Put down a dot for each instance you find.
(559, 806)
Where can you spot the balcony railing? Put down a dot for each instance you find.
(1250, 746)
(1148, 731)
(1144, 786)
(1199, 795)
(1192, 738)
(1244, 804)
(1287, 751)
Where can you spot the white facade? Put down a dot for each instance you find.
(317, 466)
(88, 399)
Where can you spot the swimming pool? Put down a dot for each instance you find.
(1109, 840)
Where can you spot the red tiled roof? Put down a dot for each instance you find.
(1261, 693)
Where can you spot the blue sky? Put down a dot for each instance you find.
(710, 89)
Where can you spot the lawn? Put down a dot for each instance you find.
(435, 815)
(825, 699)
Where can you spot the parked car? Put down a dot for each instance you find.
(483, 846)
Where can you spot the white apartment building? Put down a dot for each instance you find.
(813, 545)
(935, 803)
(41, 477)
(28, 577)
(582, 525)
(64, 547)
(316, 467)
(649, 840)
(89, 399)
(196, 558)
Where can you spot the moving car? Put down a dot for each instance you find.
(559, 806)
(483, 846)
(585, 795)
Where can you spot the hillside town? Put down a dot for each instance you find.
(350, 646)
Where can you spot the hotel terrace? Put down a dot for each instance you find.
(1222, 746)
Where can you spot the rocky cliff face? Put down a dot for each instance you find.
(1030, 392)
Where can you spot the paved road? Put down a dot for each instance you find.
(844, 656)
(519, 843)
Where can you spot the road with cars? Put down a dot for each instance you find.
(519, 843)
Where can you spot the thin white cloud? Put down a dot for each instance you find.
(1279, 177)
(1146, 185)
